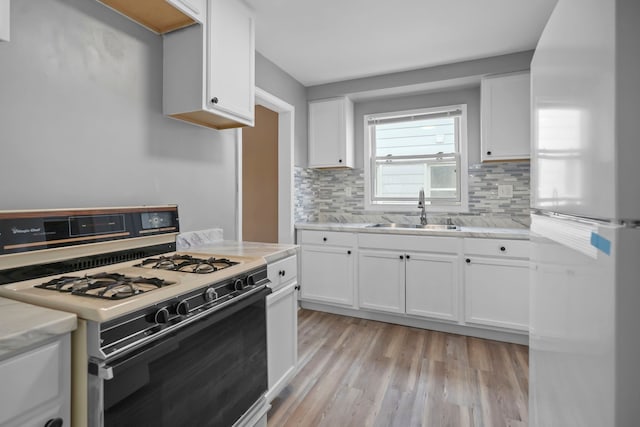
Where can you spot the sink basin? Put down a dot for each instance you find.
(416, 226)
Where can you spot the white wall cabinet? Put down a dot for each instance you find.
(496, 282)
(327, 267)
(160, 16)
(331, 133)
(209, 70)
(5, 20)
(505, 117)
(282, 324)
(36, 385)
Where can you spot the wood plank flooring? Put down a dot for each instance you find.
(356, 372)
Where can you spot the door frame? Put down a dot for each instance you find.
(286, 131)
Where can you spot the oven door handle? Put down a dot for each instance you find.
(170, 342)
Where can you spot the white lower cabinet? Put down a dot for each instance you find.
(36, 385)
(496, 283)
(407, 275)
(381, 280)
(432, 285)
(327, 267)
(282, 325)
(5, 22)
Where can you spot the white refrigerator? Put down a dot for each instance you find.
(585, 198)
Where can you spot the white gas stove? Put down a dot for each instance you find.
(142, 306)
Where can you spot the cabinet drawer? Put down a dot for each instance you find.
(282, 271)
(331, 238)
(405, 243)
(497, 247)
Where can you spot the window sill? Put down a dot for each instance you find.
(413, 207)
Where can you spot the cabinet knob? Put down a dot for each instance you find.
(502, 248)
(401, 256)
(297, 288)
(214, 100)
(467, 260)
(339, 160)
(488, 153)
(408, 257)
(54, 422)
(324, 239)
(348, 252)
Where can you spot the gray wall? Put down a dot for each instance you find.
(81, 120)
(274, 80)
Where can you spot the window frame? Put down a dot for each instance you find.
(402, 204)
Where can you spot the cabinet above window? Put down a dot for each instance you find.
(160, 16)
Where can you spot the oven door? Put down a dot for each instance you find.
(208, 373)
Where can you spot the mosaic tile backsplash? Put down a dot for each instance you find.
(321, 196)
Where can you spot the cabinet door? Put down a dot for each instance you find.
(381, 278)
(4, 20)
(231, 84)
(331, 133)
(432, 283)
(327, 274)
(505, 117)
(282, 338)
(196, 9)
(497, 292)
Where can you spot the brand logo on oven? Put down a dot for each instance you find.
(17, 230)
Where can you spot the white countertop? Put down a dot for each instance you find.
(271, 252)
(478, 232)
(23, 326)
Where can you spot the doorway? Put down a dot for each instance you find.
(286, 128)
(260, 178)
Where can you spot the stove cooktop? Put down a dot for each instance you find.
(187, 263)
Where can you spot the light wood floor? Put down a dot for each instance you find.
(356, 372)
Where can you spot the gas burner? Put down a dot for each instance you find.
(104, 285)
(187, 263)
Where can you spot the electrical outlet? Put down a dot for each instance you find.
(347, 191)
(505, 190)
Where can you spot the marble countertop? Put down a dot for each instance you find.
(271, 252)
(478, 232)
(23, 326)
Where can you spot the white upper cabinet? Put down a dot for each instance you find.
(331, 133)
(4, 20)
(505, 117)
(231, 56)
(195, 9)
(160, 16)
(209, 69)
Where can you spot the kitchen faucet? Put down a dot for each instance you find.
(421, 205)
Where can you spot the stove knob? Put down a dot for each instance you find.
(210, 294)
(251, 281)
(183, 307)
(238, 285)
(162, 315)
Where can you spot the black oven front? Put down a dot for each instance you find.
(208, 373)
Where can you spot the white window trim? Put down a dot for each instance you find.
(462, 206)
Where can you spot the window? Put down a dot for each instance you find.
(412, 150)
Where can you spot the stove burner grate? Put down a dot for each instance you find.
(187, 263)
(104, 285)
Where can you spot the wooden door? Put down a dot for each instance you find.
(260, 178)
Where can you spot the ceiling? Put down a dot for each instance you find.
(326, 41)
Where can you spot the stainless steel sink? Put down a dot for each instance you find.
(416, 226)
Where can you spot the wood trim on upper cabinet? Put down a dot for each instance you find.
(156, 15)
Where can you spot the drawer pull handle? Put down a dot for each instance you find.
(502, 248)
(324, 239)
(348, 252)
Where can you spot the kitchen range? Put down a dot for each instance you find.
(164, 337)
